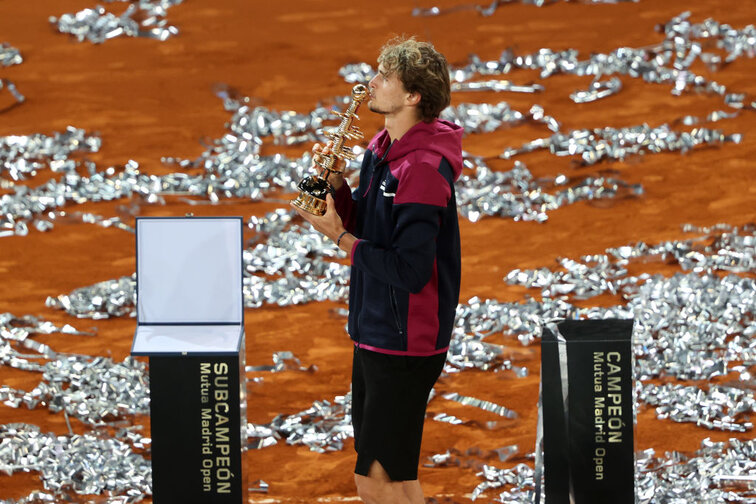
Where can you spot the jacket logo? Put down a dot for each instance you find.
(383, 190)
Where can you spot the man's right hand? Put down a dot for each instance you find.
(336, 179)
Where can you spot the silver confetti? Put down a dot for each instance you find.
(283, 361)
(10, 87)
(322, 427)
(9, 55)
(74, 464)
(721, 408)
(482, 404)
(97, 25)
(517, 194)
(597, 90)
(489, 9)
(496, 85)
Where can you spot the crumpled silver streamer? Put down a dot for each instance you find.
(87, 464)
(486, 117)
(723, 248)
(451, 419)
(5, 84)
(22, 155)
(9, 55)
(517, 194)
(323, 427)
(92, 389)
(18, 332)
(704, 477)
(600, 144)
(47, 223)
(295, 256)
(142, 18)
(597, 90)
(489, 9)
(453, 457)
(259, 486)
(283, 361)
(675, 333)
(667, 62)
(482, 404)
(496, 85)
(111, 298)
(719, 407)
(357, 72)
(468, 352)
(717, 115)
(680, 34)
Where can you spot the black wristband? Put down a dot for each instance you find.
(338, 240)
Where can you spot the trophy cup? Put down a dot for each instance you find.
(313, 189)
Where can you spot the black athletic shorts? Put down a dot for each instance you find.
(389, 396)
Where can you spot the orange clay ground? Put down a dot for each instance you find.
(149, 99)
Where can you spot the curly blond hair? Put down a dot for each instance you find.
(422, 70)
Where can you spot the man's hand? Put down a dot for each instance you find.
(329, 223)
(336, 179)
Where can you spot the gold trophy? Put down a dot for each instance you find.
(313, 189)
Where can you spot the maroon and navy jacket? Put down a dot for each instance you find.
(405, 278)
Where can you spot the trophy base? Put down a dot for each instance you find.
(312, 195)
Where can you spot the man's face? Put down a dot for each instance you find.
(387, 93)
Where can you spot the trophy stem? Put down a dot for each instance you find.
(314, 189)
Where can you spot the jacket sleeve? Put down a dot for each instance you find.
(408, 262)
(346, 207)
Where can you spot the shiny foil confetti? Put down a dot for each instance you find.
(518, 195)
(667, 62)
(719, 407)
(25, 155)
(675, 334)
(283, 361)
(92, 389)
(12, 95)
(74, 465)
(490, 8)
(486, 117)
(617, 144)
(482, 404)
(111, 298)
(322, 427)
(9, 55)
(710, 475)
(496, 85)
(142, 18)
(597, 90)
(474, 456)
(9, 95)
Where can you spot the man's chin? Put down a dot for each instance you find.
(374, 108)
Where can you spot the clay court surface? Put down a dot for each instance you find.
(149, 99)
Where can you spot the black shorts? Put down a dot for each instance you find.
(389, 396)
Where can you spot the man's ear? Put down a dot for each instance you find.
(413, 98)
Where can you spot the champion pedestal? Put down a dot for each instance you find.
(588, 412)
(190, 323)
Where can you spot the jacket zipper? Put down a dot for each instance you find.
(397, 320)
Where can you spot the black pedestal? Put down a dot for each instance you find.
(198, 423)
(588, 441)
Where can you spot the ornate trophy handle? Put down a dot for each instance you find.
(313, 189)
